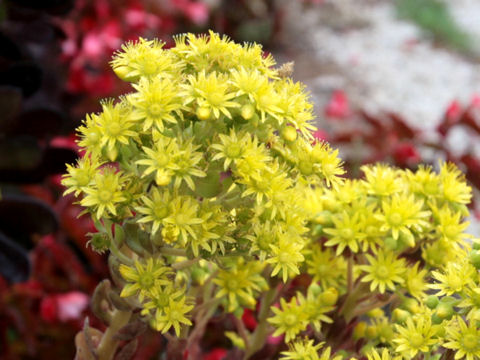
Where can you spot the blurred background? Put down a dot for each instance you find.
(392, 81)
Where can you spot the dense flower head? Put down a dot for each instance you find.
(207, 186)
(203, 159)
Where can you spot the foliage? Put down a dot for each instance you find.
(435, 19)
(216, 201)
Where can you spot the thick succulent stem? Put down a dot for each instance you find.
(108, 345)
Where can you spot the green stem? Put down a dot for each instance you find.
(173, 251)
(261, 332)
(119, 254)
(350, 303)
(185, 264)
(242, 331)
(108, 345)
(360, 310)
(350, 274)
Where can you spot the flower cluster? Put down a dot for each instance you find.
(209, 190)
(205, 159)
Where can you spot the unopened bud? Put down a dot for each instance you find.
(247, 111)
(289, 133)
(444, 311)
(432, 302)
(329, 297)
(203, 113)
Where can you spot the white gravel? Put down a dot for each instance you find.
(384, 63)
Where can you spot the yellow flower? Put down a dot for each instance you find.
(383, 271)
(415, 281)
(231, 147)
(80, 176)
(381, 180)
(454, 278)
(454, 187)
(161, 159)
(115, 124)
(463, 338)
(240, 284)
(290, 319)
(156, 102)
(450, 226)
(90, 135)
(302, 350)
(143, 278)
(104, 193)
(285, 256)
(173, 315)
(158, 300)
(186, 165)
(143, 58)
(210, 91)
(347, 232)
(418, 335)
(183, 215)
(424, 182)
(325, 267)
(156, 209)
(400, 214)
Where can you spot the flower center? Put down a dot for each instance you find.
(283, 258)
(290, 319)
(161, 301)
(382, 272)
(233, 151)
(450, 231)
(215, 99)
(82, 179)
(454, 282)
(114, 128)
(104, 196)
(149, 67)
(470, 342)
(395, 219)
(162, 160)
(232, 284)
(155, 109)
(346, 233)
(175, 315)
(416, 340)
(146, 281)
(160, 211)
(306, 167)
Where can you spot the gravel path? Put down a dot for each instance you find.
(382, 63)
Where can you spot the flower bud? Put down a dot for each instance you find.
(411, 305)
(375, 313)
(475, 258)
(390, 243)
(289, 133)
(247, 111)
(400, 316)
(444, 311)
(99, 242)
(329, 297)
(436, 319)
(371, 332)
(122, 72)
(203, 113)
(432, 302)
(359, 330)
(315, 289)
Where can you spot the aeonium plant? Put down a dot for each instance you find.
(229, 226)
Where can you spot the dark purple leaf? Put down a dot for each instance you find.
(14, 262)
(22, 216)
